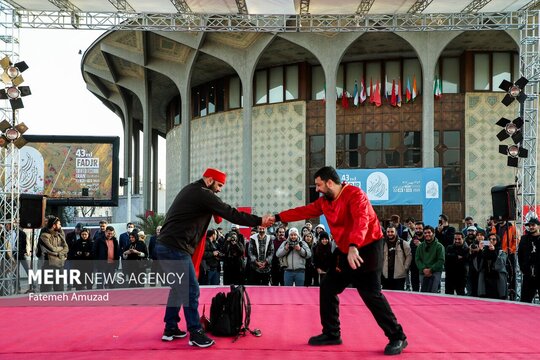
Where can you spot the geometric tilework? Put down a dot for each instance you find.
(484, 166)
(216, 141)
(173, 156)
(278, 150)
(279, 156)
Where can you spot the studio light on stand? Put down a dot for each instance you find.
(12, 78)
(512, 129)
(12, 134)
(514, 91)
(514, 152)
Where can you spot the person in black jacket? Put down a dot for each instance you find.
(185, 225)
(529, 261)
(106, 255)
(456, 265)
(83, 258)
(211, 258)
(133, 257)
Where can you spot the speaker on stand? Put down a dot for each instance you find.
(503, 200)
(32, 216)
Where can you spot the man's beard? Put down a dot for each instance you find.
(391, 238)
(328, 195)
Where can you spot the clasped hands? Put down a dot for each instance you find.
(268, 220)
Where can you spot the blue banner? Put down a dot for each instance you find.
(405, 186)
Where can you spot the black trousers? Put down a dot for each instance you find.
(367, 281)
(529, 287)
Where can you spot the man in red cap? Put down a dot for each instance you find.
(185, 225)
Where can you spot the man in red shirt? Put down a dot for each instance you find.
(358, 257)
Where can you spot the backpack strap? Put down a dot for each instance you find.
(246, 307)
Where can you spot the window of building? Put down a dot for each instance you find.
(450, 75)
(490, 69)
(412, 141)
(481, 72)
(373, 74)
(291, 82)
(411, 70)
(261, 87)
(392, 72)
(276, 85)
(448, 157)
(355, 72)
(235, 89)
(502, 69)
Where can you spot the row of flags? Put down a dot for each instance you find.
(359, 95)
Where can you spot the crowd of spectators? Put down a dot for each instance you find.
(471, 261)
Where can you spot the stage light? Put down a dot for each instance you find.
(511, 129)
(12, 78)
(513, 91)
(514, 152)
(12, 134)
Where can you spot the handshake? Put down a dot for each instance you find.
(268, 220)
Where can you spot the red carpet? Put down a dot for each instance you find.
(438, 327)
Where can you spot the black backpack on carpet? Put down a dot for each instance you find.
(230, 313)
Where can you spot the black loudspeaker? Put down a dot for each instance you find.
(32, 211)
(504, 202)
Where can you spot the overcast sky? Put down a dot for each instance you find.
(60, 104)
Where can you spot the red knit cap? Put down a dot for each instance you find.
(215, 174)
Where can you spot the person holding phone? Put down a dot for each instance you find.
(492, 277)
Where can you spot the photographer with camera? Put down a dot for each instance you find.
(473, 239)
(233, 263)
(297, 252)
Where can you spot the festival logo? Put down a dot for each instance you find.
(432, 190)
(377, 187)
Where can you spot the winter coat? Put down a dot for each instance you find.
(402, 260)
(296, 260)
(430, 256)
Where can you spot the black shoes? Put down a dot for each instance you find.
(171, 334)
(395, 347)
(324, 339)
(199, 338)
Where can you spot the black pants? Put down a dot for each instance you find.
(456, 281)
(415, 277)
(529, 287)
(367, 280)
(393, 284)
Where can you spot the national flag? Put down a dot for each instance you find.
(414, 92)
(437, 89)
(371, 98)
(398, 93)
(377, 96)
(345, 99)
(355, 94)
(408, 94)
(363, 95)
(393, 100)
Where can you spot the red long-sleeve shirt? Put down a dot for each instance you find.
(350, 216)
